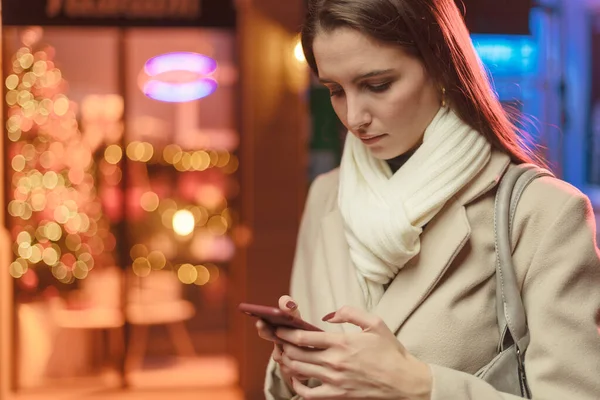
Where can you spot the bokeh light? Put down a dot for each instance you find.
(113, 154)
(55, 212)
(149, 201)
(183, 222)
(187, 274)
(299, 52)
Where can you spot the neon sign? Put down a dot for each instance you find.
(178, 77)
(507, 55)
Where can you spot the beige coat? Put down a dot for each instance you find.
(442, 304)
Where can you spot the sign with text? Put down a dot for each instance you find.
(122, 13)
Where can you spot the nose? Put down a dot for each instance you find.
(357, 115)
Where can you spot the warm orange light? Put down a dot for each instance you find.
(183, 222)
(299, 52)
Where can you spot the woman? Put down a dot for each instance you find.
(395, 256)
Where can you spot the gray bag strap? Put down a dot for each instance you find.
(510, 311)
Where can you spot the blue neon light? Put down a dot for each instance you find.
(507, 55)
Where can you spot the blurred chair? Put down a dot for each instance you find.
(157, 300)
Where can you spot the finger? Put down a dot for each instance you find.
(266, 332)
(303, 354)
(289, 373)
(361, 318)
(286, 303)
(277, 354)
(300, 388)
(299, 368)
(278, 358)
(320, 392)
(301, 338)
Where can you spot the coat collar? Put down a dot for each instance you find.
(441, 242)
(487, 179)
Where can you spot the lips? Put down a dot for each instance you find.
(371, 139)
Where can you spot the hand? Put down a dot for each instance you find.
(371, 364)
(267, 332)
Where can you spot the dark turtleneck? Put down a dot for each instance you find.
(397, 162)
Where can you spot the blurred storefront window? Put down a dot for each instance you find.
(121, 151)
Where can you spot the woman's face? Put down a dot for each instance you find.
(382, 94)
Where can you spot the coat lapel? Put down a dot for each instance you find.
(442, 240)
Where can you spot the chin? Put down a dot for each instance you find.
(384, 154)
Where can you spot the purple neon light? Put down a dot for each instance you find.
(180, 61)
(180, 92)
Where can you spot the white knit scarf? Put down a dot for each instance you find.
(384, 213)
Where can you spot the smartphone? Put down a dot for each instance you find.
(276, 317)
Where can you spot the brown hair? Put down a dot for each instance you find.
(434, 31)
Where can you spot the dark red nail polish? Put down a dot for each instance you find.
(598, 318)
(291, 305)
(328, 316)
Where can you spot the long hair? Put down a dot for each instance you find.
(435, 32)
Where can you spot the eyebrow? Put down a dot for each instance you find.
(364, 76)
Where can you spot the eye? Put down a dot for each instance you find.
(336, 91)
(379, 88)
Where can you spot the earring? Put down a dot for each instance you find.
(443, 97)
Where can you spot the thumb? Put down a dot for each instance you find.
(287, 304)
(361, 318)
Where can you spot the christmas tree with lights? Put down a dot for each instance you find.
(56, 217)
